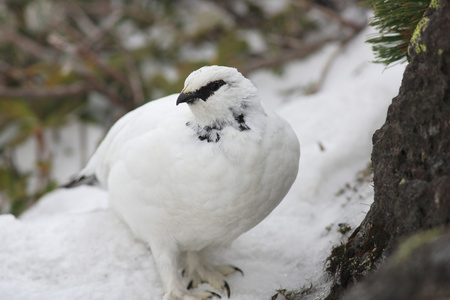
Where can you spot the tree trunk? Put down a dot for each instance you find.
(410, 158)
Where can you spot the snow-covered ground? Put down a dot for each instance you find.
(72, 246)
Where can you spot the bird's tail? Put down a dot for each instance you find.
(81, 179)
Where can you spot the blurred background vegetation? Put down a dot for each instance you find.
(92, 61)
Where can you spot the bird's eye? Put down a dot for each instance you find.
(215, 85)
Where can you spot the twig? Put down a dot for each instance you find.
(329, 13)
(93, 32)
(104, 89)
(108, 71)
(34, 93)
(323, 74)
(133, 74)
(59, 43)
(25, 44)
(81, 19)
(136, 12)
(82, 134)
(283, 57)
(288, 41)
(134, 78)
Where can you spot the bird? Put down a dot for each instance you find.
(190, 178)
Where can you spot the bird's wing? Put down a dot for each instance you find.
(142, 120)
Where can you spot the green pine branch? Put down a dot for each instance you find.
(395, 21)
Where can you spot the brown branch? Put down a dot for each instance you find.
(93, 32)
(138, 13)
(25, 44)
(298, 49)
(59, 43)
(85, 24)
(98, 8)
(134, 78)
(107, 91)
(323, 74)
(287, 41)
(72, 90)
(133, 75)
(82, 52)
(283, 57)
(329, 13)
(333, 15)
(108, 71)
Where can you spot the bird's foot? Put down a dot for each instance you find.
(213, 275)
(205, 295)
(192, 295)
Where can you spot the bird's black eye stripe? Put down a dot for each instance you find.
(215, 85)
(209, 89)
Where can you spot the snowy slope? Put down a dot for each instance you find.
(72, 246)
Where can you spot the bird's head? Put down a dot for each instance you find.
(217, 94)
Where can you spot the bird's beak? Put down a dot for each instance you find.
(186, 97)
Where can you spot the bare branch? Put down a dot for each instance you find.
(329, 13)
(59, 43)
(134, 78)
(110, 93)
(25, 44)
(93, 32)
(82, 20)
(283, 57)
(93, 58)
(333, 15)
(34, 93)
(323, 74)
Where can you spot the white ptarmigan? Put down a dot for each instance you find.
(193, 177)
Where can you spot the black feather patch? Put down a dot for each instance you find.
(206, 91)
(241, 122)
(77, 181)
(210, 136)
(206, 133)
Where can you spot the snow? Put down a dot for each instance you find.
(72, 246)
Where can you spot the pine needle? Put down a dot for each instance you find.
(395, 22)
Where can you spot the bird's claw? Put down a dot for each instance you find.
(228, 269)
(226, 287)
(202, 295)
(238, 270)
(190, 285)
(212, 275)
(214, 295)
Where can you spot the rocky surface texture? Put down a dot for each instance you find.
(419, 270)
(411, 163)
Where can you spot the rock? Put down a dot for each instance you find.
(419, 270)
(410, 158)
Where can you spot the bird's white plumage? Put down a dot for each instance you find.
(193, 176)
